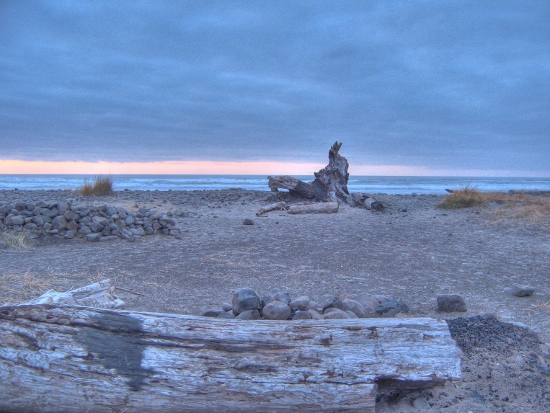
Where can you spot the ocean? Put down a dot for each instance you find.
(369, 184)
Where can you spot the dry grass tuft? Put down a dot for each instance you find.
(539, 307)
(16, 288)
(463, 198)
(101, 186)
(517, 206)
(15, 239)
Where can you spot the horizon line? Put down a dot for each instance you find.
(21, 167)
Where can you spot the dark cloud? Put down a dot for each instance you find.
(423, 83)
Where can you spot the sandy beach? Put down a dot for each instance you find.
(412, 252)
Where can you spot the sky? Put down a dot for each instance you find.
(417, 87)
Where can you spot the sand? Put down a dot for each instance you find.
(413, 252)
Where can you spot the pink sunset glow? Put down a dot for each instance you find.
(228, 168)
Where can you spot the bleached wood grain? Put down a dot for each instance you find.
(74, 359)
(317, 208)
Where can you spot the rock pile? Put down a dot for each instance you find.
(278, 305)
(101, 223)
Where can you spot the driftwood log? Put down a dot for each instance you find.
(271, 207)
(330, 184)
(368, 202)
(317, 208)
(82, 359)
(100, 294)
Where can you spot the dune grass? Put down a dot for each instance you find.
(466, 197)
(101, 186)
(15, 288)
(518, 206)
(15, 239)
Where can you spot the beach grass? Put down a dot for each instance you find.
(102, 185)
(16, 288)
(15, 239)
(518, 206)
(466, 197)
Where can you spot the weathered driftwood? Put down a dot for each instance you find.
(75, 359)
(99, 295)
(317, 208)
(270, 207)
(330, 184)
(368, 202)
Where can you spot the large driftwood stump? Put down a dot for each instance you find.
(82, 359)
(330, 184)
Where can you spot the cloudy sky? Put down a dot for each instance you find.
(409, 87)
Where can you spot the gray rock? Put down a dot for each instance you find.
(93, 237)
(302, 315)
(333, 313)
(249, 315)
(277, 294)
(155, 215)
(351, 305)
(228, 315)
(449, 303)
(315, 314)
(227, 307)
(20, 206)
(106, 231)
(3, 245)
(520, 290)
(167, 223)
(108, 238)
(149, 231)
(104, 222)
(328, 301)
(138, 231)
(351, 314)
(72, 226)
(83, 230)
(110, 210)
(18, 220)
(245, 299)
(38, 220)
(63, 206)
(59, 223)
(30, 206)
(391, 307)
(300, 303)
(96, 227)
(129, 220)
(211, 313)
(69, 215)
(276, 310)
(53, 231)
(248, 221)
(47, 226)
(380, 298)
(30, 226)
(69, 235)
(368, 302)
(50, 212)
(85, 220)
